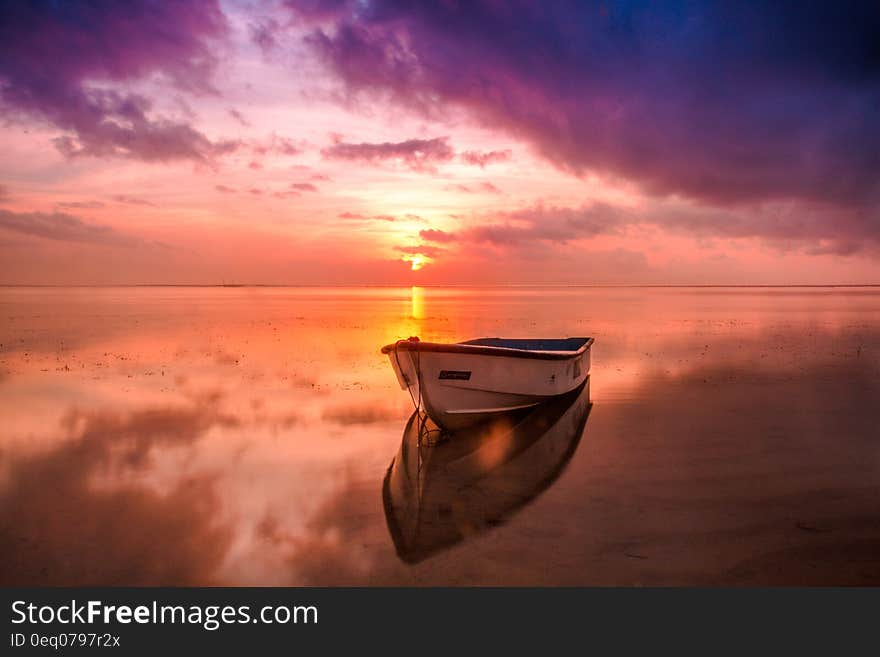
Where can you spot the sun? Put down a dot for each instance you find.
(416, 260)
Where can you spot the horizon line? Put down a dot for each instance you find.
(437, 285)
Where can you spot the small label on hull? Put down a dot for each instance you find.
(455, 375)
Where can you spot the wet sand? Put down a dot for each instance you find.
(242, 435)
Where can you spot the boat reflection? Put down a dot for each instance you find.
(438, 493)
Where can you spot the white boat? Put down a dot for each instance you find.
(437, 494)
(464, 383)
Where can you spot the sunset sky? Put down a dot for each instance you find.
(429, 143)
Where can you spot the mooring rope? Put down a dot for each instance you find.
(417, 402)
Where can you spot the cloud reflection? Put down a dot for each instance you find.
(732, 441)
(63, 524)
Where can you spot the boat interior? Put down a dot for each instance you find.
(562, 344)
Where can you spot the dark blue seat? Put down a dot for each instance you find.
(563, 344)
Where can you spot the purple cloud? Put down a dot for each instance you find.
(263, 34)
(538, 224)
(62, 227)
(238, 116)
(817, 229)
(51, 54)
(303, 187)
(417, 154)
(547, 224)
(279, 146)
(355, 216)
(482, 158)
(80, 205)
(784, 227)
(421, 249)
(130, 200)
(721, 103)
(434, 235)
(486, 187)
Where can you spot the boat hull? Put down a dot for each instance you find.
(437, 495)
(465, 386)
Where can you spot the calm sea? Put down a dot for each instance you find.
(243, 436)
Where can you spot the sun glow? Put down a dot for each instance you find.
(416, 262)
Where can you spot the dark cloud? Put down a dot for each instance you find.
(53, 54)
(546, 224)
(279, 146)
(4, 192)
(482, 158)
(416, 154)
(304, 187)
(284, 146)
(131, 200)
(434, 235)
(263, 34)
(483, 187)
(814, 228)
(421, 249)
(722, 103)
(355, 216)
(238, 116)
(80, 205)
(224, 189)
(62, 227)
(285, 195)
(785, 227)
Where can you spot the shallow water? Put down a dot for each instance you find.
(242, 435)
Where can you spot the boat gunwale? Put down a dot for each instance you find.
(484, 350)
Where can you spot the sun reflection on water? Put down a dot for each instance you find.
(418, 302)
(244, 432)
